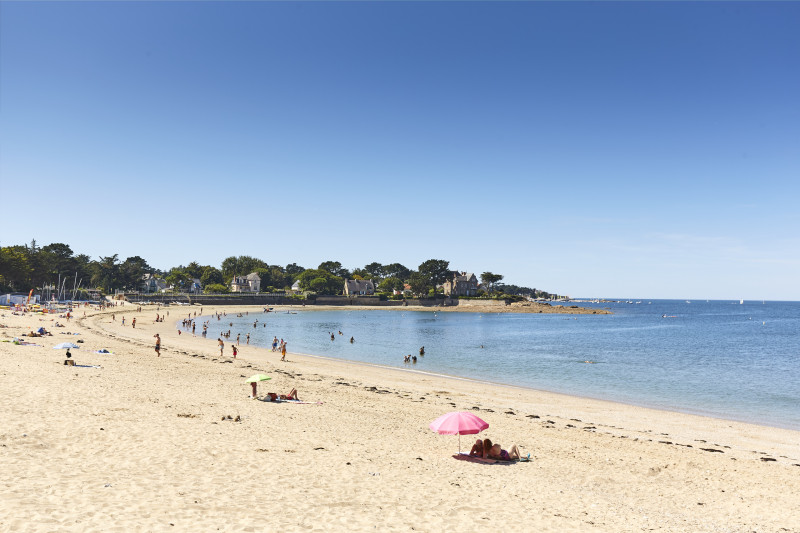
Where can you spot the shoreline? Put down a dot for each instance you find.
(699, 412)
(553, 396)
(143, 443)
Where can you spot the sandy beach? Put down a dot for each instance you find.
(127, 441)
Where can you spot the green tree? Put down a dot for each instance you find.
(131, 272)
(194, 269)
(318, 285)
(375, 271)
(216, 288)
(179, 279)
(396, 270)
(489, 279)
(436, 271)
(240, 266)
(420, 284)
(211, 276)
(335, 268)
(58, 258)
(279, 278)
(391, 284)
(293, 270)
(309, 281)
(105, 273)
(359, 273)
(15, 269)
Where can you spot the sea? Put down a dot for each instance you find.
(725, 359)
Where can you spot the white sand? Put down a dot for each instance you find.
(139, 445)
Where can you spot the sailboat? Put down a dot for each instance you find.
(741, 302)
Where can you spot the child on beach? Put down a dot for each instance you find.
(235, 351)
(158, 344)
(283, 352)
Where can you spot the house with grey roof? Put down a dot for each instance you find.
(461, 284)
(248, 283)
(359, 287)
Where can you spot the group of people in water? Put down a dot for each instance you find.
(413, 358)
(333, 337)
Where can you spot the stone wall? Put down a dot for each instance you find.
(460, 302)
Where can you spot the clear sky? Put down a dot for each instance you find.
(642, 150)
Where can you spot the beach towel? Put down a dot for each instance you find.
(463, 456)
(267, 400)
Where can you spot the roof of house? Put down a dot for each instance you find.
(253, 276)
(358, 285)
(462, 276)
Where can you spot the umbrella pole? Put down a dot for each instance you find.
(459, 444)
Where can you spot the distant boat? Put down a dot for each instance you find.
(688, 302)
(741, 302)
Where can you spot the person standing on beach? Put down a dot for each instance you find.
(235, 350)
(283, 352)
(158, 344)
(221, 345)
(133, 323)
(248, 338)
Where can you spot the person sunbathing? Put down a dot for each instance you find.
(498, 453)
(272, 397)
(291, 396)
(477, 449)
(487, 445)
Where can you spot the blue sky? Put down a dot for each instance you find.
(593, 149)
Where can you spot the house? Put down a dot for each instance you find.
(461, 284)
(150, 283)
(359, 287)
(196, 286)
(20, 298)
(94, 294)
(248, 283)
(296, 286)
(405, 292)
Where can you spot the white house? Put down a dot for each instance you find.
(296, 286)
(248, 283)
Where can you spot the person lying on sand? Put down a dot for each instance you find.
(477, 449)
(275, 397)
(498, 453)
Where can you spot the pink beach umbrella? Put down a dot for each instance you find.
(458, 423)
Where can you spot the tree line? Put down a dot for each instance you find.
(30, 266)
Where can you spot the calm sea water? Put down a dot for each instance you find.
(719, 358)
